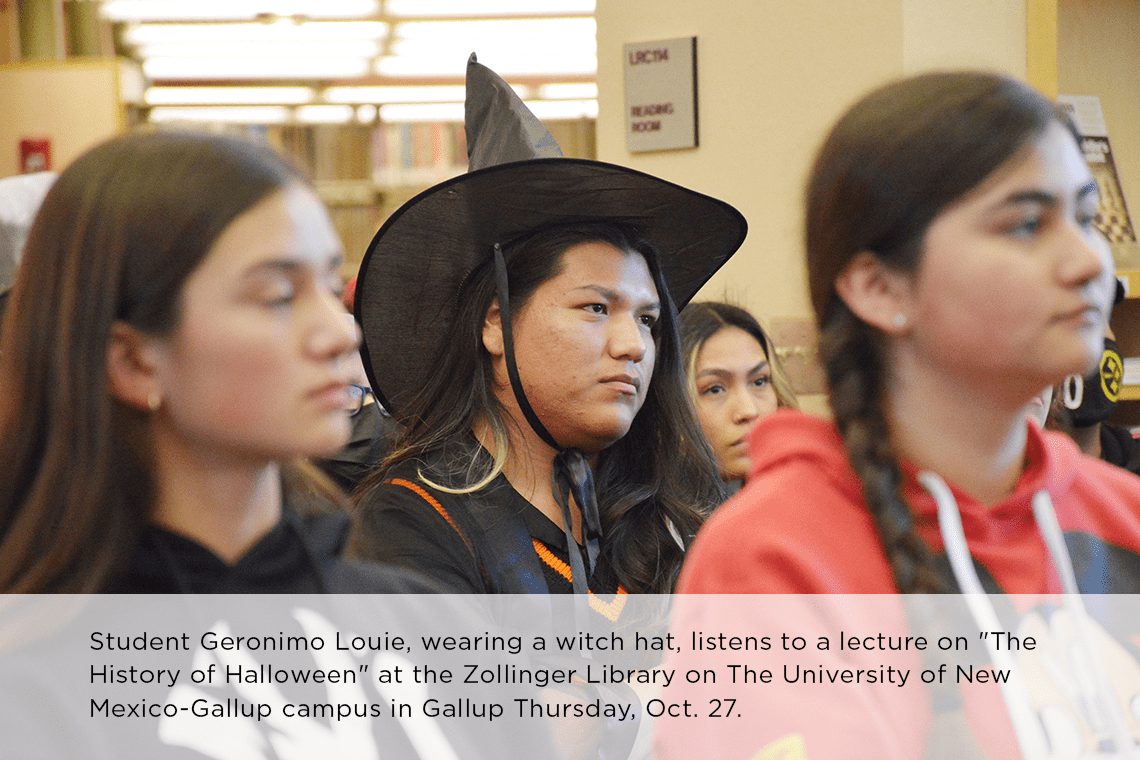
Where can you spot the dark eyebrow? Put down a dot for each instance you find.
(289, 266)
(1049, 199)
(274, 266)
(1032, 196)
(721, 372)
(613, 295)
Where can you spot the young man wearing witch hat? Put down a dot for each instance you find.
(520, 324)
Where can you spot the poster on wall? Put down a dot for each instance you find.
(1112, 214)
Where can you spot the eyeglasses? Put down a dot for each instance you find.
(357, 396)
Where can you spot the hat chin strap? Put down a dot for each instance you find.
(571, 473)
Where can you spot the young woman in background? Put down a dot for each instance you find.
(735, 378)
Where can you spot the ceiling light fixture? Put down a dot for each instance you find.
(504, 65)
(343, 48)
(325, 114)
(277, 31)
(222, 114)
(254, 68)
(552, 110)
(394, 94)
(569, 91)
(460, 8)
(234, 10)
(178, 96)
(495, 29)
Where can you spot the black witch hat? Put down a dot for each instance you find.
(518, 182)
(408, 290)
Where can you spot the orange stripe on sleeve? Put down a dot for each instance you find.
(435, 505)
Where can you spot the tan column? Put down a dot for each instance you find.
(41, 30)
(84, 32)
(1041, 45)
(9, 34)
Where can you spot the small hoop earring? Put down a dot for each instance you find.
(153, 400)
(1073, 391)
(899, 320)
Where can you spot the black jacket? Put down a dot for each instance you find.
(300, 555)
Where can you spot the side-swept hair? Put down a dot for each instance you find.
(114, 241)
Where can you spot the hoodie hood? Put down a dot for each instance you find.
(1002, 537)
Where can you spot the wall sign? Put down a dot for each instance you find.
(661, 94)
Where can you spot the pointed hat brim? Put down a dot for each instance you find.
(407, 293)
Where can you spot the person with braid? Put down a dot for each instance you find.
(955, 272)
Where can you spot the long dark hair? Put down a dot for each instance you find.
(893, 163)
(660, 472)
(704, 319)
(114, 241)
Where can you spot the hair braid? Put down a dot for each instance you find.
(856, 373)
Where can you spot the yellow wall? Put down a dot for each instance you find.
(75, 103)
(988, 34)
(773, 76)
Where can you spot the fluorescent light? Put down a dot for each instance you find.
(320, 114)
(505, 66)
(495, 29)
(550, 110)
(254, 68)
(433, 112)
(282, 30)
(221, 10)
(223, 115)
(569, 91)
(502, 47)
(351, 48)
(405, 112)
(366, 114)
(486, 7)
(325, 114)
(174, 96)
(278, 31)
(393, 94)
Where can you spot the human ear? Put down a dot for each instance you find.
(876, 294)
(132, 368)
(493, 330)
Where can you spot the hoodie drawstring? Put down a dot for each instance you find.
(1100, 707)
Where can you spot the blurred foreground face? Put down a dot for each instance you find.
(1015, 280)
(256, 368)
(734, 389)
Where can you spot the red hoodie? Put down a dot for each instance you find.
(799, 527)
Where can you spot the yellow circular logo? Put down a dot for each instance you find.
(1111, 375)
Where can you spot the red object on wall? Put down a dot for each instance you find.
(35, 155)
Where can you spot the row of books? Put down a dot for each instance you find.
(418, 154)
